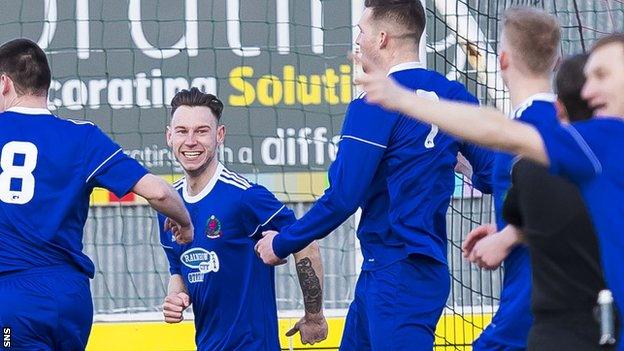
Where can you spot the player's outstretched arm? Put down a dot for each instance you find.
(366, 132)
(313, 326)
(485, 126)
(176, 301)
(164, 199)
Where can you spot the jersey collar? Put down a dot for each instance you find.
(29, 110)
(405, 66)
(206, 190)
(547, 97)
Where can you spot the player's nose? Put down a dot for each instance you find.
(190, 139)
(589, 91)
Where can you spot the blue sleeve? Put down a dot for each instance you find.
(107, 166)
(481, 160)
(365, 135)
(262, 211)
(168, 244)
(569, 153)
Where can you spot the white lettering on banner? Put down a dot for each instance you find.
(189, 40)
(285, 149)
(49, 24)
(317, 26)
(83, 41)
(233, 31)
(123, 93)
(273, 151)
(283, 26)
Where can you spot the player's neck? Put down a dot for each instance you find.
(400, 57)
(28, 101)
(197, 181)
(521, 89)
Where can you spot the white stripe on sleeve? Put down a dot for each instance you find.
(364, 141)
(585, 147)
(102, 164)
(267, 221)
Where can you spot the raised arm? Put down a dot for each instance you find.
(484, 126)
(365, 134)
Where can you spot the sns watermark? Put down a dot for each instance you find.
(6, 337)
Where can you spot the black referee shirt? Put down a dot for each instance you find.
(567, 275)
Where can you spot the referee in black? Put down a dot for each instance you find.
(553, 221)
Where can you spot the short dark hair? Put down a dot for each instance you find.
(613, 38)
(535, 37)
(408, 13)
(195, 97)
(569, 83)
(27, 66)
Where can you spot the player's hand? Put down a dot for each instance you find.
(490, 251)
(185, 234)
(182, 234)
(475, 235)
(380, 89)
(174, 305)
(264, 249)
(312, 328)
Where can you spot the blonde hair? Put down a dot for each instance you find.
(534, 38)
(613, 38)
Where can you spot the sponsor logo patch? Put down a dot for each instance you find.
(202, 259)
(196, 277)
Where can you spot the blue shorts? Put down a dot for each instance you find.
(46, 309)
(397, 307)
(509, 329)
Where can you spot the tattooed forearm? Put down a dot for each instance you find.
(310, 286)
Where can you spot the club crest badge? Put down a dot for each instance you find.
(213, 228)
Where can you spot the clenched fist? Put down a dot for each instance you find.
(174, 306)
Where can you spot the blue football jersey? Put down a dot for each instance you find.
(48, 168)
(538, 110)
(511, 324)
(589, 153)
(231, 289)
(399, 171)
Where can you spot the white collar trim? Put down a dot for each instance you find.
(547, 97)
(29, 110)
(206, 190)
(405, 66)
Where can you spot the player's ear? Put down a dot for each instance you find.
(503, 60)
(6, 84)
(383, 39)
(168, 134)
(220, 134)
